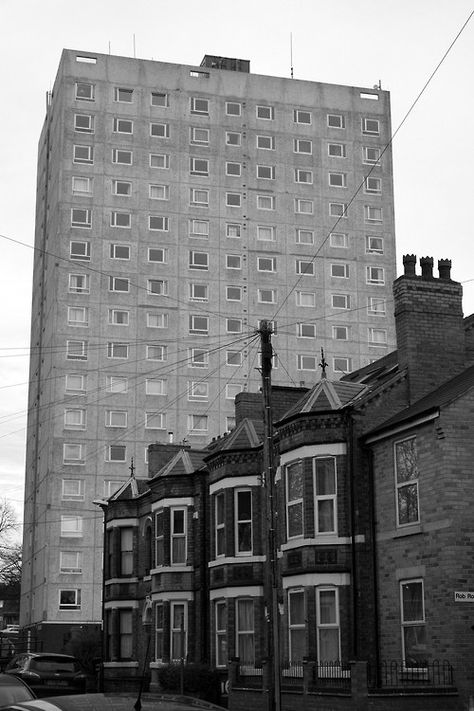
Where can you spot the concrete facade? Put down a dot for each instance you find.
(176, 207)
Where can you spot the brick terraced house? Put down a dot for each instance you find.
(373, 495)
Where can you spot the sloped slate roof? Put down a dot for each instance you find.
(131, 489)
(247, 435)
(185, 461)
(436, 399)
(326, 395)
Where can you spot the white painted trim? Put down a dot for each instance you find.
(122, 523)
(122, 604)
(244, 591)
(403, 427)
(306, 580)
(172, 569)
(231, 482)
(313, 450)
(329, 539)
(178, 501)
(181, 595)
(114, 581)
(236, 559)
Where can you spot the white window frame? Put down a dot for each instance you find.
(233, 138)
(265, 139)
(375, 275)
(266, 202)
(303, 299)
(80, 250)
(123, 220)
(321, 499)
(236, 104)
(116, 418)
(336, 150)
(157, 287)
(322, 626)
(114, 348)
(265, 113)
(115, 449)
(299, 116)
(199, 166)
(408, 625)
(178, 536)
(157, 158)
(199, 136)
(85, 222)
(303, 145)
(116, 384)
(343, 268)
(83, 155)
(241, 522)
(122, 125)
(370, 126)
(159, 129)
(72, 490)
(80, 93)
(160, 316)
(199, 105)
(202, 361)
(338, 209)
(310, 329)
(155, 386)
(303, 206)
(163, 353)
(119, 154)
(158, 192)
(403, 482)
(376, 306)
(71, 526)
(339, 237)
(271, 293)
(336, 121)
(305, 361)
(70, 562)
(158, 223)
(304, 232)
(266, 263)
(297, 502)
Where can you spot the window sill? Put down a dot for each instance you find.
(409, 531)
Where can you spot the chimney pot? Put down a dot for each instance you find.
(444, 268)
(426, 264)
(409, 263)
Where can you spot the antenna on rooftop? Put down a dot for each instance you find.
(134, 53)
(109, 46)
(291, 54)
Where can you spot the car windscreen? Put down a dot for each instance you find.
(52, 664)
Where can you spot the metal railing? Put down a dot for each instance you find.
(332, 675)
(398, 674)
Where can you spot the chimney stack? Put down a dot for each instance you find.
(429, 325)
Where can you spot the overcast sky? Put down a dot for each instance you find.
(355, 42)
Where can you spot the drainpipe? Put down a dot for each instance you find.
(370, 458)
(352, 468)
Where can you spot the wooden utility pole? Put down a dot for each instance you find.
(271, 577)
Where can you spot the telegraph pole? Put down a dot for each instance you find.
(271, 577)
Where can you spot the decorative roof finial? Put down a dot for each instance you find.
(323, 365)
(132, 468)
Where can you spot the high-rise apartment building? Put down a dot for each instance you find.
(177, 206)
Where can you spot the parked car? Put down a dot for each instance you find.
(48, 674)
(13, 690)
(114, 702)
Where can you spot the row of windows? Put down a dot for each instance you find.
(83, 185)
(84, 154)
(199, 197)
(200, 261)
(201, 106)
(84, 123)
(78, 316)
(80, 250)
(80, 283)
(327, 617)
